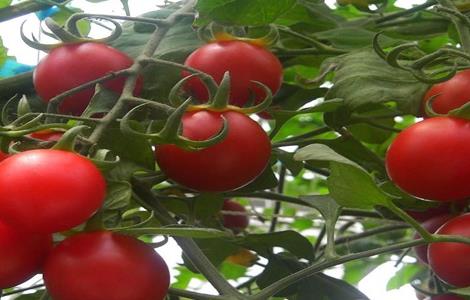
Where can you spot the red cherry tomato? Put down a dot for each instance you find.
(72, 65)
(430, 159)
(443, 208)
(49, 190)
(450, 261)
(103, 265)
(431, 226)
(245, 62)
(235, 222)
(22, 254)
(3, 155)
(450, 94)
(228, 165)
(47, 135)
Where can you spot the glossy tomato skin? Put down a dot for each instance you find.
(228, 165)
(47, 135)
(48, 190)
(72, 65)
(430, 159)
(244, 61)
(22, 254)
(450, 261)
(235, 222)
(431, 225)
(450, 94)
(103, 265)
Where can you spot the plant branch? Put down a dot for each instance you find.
(190, 248)
(21, 9)
(410, 11)
(136, 68)
(460, 25)
(277, 205)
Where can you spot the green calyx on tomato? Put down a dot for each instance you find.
(228, 165)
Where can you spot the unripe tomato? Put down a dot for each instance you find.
(245, 62)
(430, 159)
(72, 65)
(450, 94)
(450, 261)
(431, 226)
(104, 265)
(235, 222)
(22, 254)
(225, 166)
(48, 190)
(244, 258)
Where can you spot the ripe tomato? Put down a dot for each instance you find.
(3, 155)
(22, 254)
(430, 159)
(47, 135)
(104, 265)
(228, 165)
(244, 61)
(49, 190)
(443, 208)
(450, 261)
(72, 65)
(451, 94)
(235, 222)
(430, 225)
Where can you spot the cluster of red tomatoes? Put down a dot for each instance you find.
(38, 198)
(430, 160)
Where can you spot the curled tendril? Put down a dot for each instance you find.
(216, 32)
(72, 34)
(170, 133)
(418, 67)
(72, 26)
(175, 90)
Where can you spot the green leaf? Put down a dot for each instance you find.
(242, 12)
(290, 240)
(355, 270)
(404, 276)
(118, 195)
(363, 78)
(328, 288)
(177, 44)
(320, 152)
(65, 13)
(353, 187)
(266, 180)
(217, 250)
(328, 207)
(232, 271)
(5, 3)
(294, 166)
